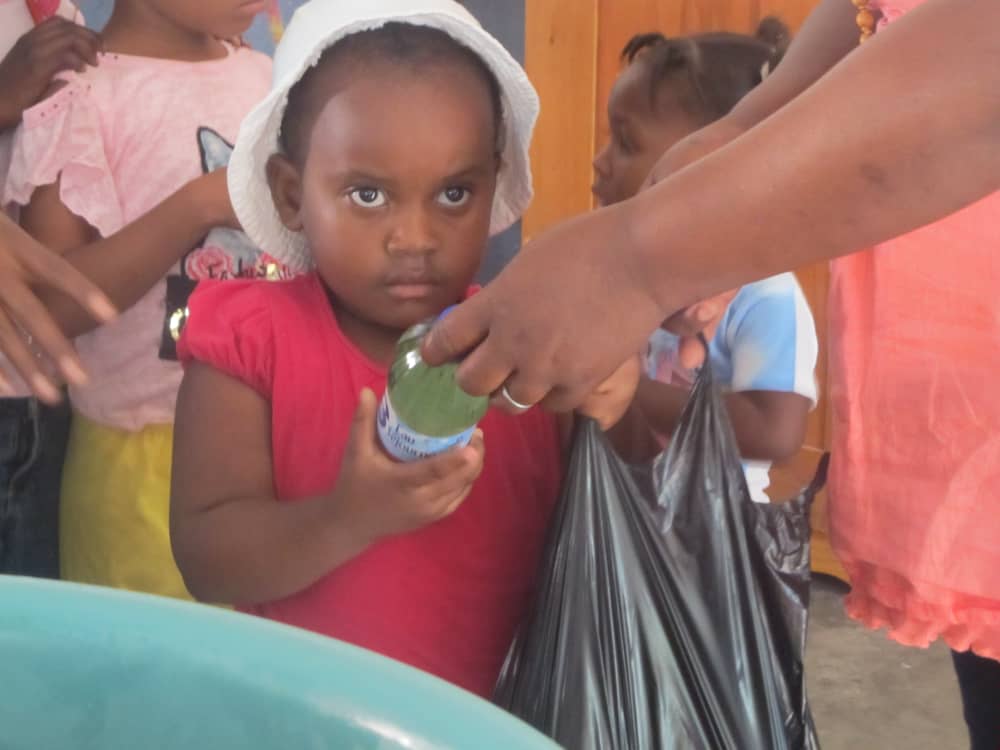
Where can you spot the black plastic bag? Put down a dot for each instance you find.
(672, 608)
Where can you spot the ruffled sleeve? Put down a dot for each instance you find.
(229, 327)
(61, 138)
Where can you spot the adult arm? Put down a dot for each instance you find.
(768, 425)
(891, 138)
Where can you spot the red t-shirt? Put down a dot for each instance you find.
(446, 599)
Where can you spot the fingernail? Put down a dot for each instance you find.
(44, 388)
(73, 372)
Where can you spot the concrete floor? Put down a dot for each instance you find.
(869, 693)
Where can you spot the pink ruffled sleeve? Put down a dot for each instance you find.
(61, 138)
(229, 327)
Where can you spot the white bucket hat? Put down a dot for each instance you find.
(315, 27)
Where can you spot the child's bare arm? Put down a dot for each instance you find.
(235, 543)
(129, 263)
(769, 425)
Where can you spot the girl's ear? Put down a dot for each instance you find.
(285, 181)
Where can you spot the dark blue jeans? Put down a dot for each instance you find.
(979, 681)
(32, 448)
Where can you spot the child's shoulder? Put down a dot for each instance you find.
(251, 58)
(69, 87)
(246, 67)
(117, 76)
(238, 298)
(767, 340)
(782, 285)
(234, 325)
(85, 95)
(768, 302)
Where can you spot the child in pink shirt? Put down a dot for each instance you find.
(34, 48)
(146, 133)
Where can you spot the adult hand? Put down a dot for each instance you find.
(25, 323)
(571, 307)
(28, 69)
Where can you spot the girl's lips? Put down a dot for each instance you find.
(411, 291)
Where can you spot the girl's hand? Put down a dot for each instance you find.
(29, 68)
(611, 399)
(704, 318)
(380, 497)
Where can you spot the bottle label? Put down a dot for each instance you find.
(406, 444)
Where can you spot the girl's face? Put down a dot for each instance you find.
(641, 131)
(223, 19)
(396, 190)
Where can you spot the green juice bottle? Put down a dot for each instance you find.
(423, 411)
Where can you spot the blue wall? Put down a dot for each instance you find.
(503, 18)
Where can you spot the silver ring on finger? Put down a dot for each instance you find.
(514, 402)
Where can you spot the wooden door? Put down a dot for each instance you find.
(571, 53)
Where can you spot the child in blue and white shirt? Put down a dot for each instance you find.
(764, 351)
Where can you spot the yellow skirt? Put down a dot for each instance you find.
(114, 527)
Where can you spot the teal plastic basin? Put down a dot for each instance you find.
(94, 669)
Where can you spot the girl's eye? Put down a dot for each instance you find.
(367, 197)
(455, 196)
(623, 143)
